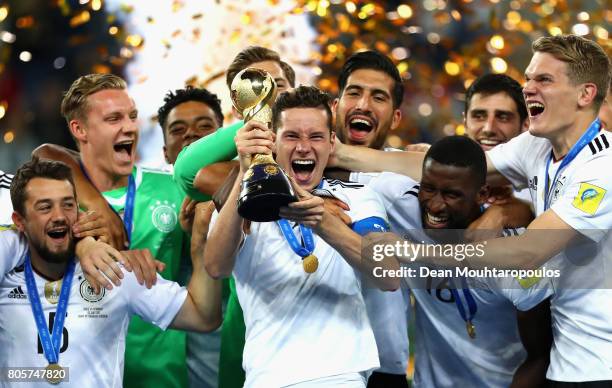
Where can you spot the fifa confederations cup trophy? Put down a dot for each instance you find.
(265, 187)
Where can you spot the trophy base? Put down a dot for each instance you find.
(261, 199)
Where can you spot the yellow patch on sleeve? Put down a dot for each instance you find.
(528, 282)
(588, 198)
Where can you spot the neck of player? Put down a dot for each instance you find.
(567, 137)
(102, 179)
(49, 271)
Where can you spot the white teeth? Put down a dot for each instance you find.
(361, 121)
(535, 105)
(489, 142)
(304, 162)
(436, 220)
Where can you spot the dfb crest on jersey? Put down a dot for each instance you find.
(89, 294)
(558, 189)
(164, 216)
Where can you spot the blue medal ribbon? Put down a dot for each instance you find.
(307, 236)
(297, 247)
(50, 342)
(585, 139)
(128, 210)
(472, 307)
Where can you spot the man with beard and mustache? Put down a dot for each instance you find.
(85, 333)
(450, 197)
(102, 118)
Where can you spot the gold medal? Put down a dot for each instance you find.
(310, 263)
(471, 330)
(52, 291)
(54, 374)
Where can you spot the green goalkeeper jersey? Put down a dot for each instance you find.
(154, 358)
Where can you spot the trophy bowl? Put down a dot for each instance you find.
(265, 187)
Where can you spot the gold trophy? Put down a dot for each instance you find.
(265, 186)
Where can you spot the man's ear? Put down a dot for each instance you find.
(588, 92)
(334, 107)
(77, 129)
(525, 126)
(333, 141)
(483, 194)
(396, 119)
(19, 221)
(166, 154)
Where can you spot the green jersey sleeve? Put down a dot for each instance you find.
(216, 147)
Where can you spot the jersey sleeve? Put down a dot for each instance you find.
(586, 205)
(390, 186)
(216, 147)
(157, 305)
(13, 248)
(510, 159)
(367, 211)
(523, 294)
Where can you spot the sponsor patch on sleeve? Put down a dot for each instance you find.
(588, 198)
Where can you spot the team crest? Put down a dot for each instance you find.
(164, 216)
(52, 291)
(89, 294)
(589, 198)
(558, 189)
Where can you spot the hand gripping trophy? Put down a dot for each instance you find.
(265, 186)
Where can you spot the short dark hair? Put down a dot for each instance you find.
(37, 168)
(375, 61)
(460, 151)
(301, 97)
(254, 54)
(490, 84)
(179, 96)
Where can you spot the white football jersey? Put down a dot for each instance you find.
(389, 313)
(13, 247)
(582, 349)
(444, 353)
(6, 207)
(93, 341)
(301, 326)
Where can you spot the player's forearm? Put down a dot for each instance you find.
(365, 159)
(349, 245)
(88, 195)
(205, 294)
(225, 237)
(216, 147)
(210, 178)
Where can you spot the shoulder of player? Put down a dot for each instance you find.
(600, 144)
(5, 180)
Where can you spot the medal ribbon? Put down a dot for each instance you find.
(472, 307)
(128, 210)
(50, 342)
(585, 139)
(297, 247)
(309, 244)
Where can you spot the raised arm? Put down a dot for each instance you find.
(202, 308)
(226, 234)
(216, 147)
(365, 159)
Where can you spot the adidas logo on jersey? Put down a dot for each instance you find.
(17, 293)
